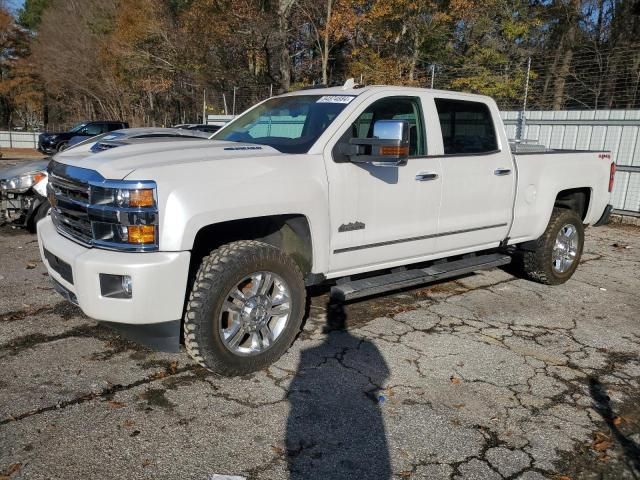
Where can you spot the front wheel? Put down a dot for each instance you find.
(43, 210)
(557, 252)
(245, 308)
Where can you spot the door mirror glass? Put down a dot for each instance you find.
(389, 146)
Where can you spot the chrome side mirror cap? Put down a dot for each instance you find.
(389, 146)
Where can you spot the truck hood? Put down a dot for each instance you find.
(118, 163)
(22, 168)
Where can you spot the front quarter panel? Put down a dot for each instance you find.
(194, 195)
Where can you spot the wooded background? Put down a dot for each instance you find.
(153, 62)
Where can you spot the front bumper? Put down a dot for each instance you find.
(159, 279)
(47, 147)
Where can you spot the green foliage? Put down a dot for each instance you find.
(30, 15)
(151, 61)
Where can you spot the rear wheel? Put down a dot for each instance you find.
(245, 308)
(557, 252)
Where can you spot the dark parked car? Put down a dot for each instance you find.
(50, 143)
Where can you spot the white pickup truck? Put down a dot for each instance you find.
(369, 188)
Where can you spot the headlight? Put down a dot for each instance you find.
(124, 214)
(22, 183)
(51, 138)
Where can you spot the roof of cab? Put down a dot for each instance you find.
(359, 90)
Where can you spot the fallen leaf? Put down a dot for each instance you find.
(458, 405)
(129, 423)
(116, 404)
(454, 380)
(13, 468)
(173, 367)
(146, 462)
(617, 421)
(278, 450)
(405, 473)
(604, 458)
(31, 266)
(564, 477)
(601, 442)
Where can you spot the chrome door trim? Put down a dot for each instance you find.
(415, 239)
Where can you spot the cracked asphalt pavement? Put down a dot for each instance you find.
(485, 377)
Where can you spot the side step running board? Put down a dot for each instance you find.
(410, 278)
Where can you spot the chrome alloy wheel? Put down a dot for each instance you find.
(565, 249)
(255, 313)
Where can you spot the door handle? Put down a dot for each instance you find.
(502, 172)
(425, 176)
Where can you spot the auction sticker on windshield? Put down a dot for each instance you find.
(335, 99)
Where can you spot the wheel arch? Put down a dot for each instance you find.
(289, 232)
(576, 199)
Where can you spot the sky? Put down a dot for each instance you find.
(15, 5)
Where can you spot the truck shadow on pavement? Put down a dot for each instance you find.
(602, 405)
(335, 427)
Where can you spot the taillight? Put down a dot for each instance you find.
(612, 174)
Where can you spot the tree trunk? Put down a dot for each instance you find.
(568, 44)
(325, 47)
(283, 56)
(414, 56)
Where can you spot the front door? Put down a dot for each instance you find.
(382, 216)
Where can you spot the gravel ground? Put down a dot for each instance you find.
(485, 377)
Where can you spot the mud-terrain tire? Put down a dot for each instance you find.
(543, 263)
(209, 321)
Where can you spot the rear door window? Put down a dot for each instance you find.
(467, 127)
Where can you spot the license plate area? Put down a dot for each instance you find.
(61, 267)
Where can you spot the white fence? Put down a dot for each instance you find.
(614, 130)
(14, 139)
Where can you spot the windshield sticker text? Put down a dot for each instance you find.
(335, 99)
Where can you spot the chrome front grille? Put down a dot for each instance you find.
(95, 212)
(70, 214)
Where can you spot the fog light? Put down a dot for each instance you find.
(115, 286)
(127, 284)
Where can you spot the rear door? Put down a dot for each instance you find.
(478, 177)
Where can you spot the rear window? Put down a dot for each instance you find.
(467, 127)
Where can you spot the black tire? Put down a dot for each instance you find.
(62, 146)
(42, 211)
(537, 262)
(218, 273)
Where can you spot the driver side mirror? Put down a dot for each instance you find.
(389, 146)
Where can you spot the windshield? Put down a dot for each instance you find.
(288, 124)
(77, 127)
